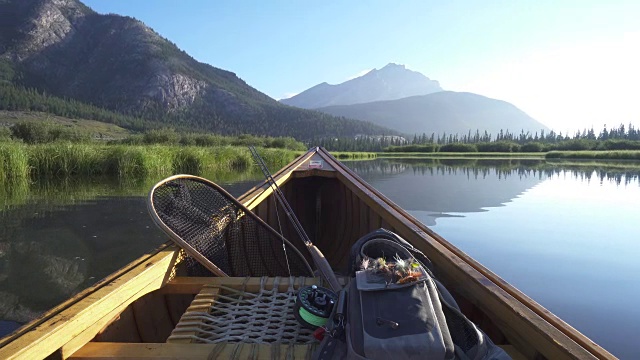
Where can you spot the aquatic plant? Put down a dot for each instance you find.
(72, 160)
(14, 165)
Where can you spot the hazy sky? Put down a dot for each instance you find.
(569, 64)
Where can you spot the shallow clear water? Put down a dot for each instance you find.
(566, 236)
(56, 240)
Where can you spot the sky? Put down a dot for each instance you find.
(569, 64)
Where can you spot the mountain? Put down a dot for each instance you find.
(389, 83)
(65, 49)
(445, 111)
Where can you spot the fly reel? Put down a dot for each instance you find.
(313, 306)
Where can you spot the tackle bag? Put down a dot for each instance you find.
(395, 308)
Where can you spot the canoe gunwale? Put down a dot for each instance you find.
(82, 295)
(72, 324)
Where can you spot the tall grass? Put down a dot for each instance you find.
(612, 154)
(68, 160)
(14, 163)
(347, 155)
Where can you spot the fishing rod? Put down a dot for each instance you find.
(318, 258)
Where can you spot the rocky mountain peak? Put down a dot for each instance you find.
(393, 81)
(39, 24)
(393, 66)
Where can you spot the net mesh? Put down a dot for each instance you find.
(262, 317)
(222, 230)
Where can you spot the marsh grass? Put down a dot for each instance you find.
(21, 162)
(63, 160)
(350, 155)
(477, 155)
(601, 155)
(14, 163)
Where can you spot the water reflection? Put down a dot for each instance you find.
(59, 237)
(448, 187)
(619, 172)
(565, 233)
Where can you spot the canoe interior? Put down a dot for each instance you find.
(334, 218)
(142, 303)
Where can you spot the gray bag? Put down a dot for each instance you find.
(392, 319)
(396, 321)
(387, 319)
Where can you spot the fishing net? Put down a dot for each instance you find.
(228, 315)
(204, 219)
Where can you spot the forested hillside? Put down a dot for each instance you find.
(63, 49)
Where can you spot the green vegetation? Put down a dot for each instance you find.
(169, 136)
(93, 129)
(344, 155)
(620, 138)
(18, 98)
(66, 160)
(46, 132)
(263, 116)
(476, 155)
(458, 147)
(611, 154)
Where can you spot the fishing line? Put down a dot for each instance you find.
(314, 305)
(284, 248)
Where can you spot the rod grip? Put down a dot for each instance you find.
(324, 267)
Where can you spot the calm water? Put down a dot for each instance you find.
(566, 235)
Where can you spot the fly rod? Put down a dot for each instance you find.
(318, 258)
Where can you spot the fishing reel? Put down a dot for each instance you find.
(313, 306)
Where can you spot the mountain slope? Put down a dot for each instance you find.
(115, 62)
(389, 83)
(446, 111)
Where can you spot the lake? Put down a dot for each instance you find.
(563, 233)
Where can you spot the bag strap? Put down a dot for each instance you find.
(333, 346)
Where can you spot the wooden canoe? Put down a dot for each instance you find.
(131, 313)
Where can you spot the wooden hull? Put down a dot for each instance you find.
(134, 310)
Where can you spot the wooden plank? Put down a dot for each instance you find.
(364, 216)
(152, 318)
(126, 330)
(122, 328)
(177, 304)
(97, 351)
(517, 313)
(62, 328)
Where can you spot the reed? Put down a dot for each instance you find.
(14, 164)
(611, 154)
(69, 160)
(353, 155)
(190, 160)
(477, 155)
(64, 160)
